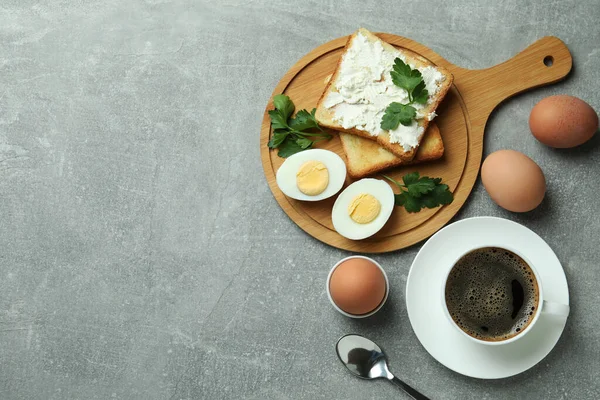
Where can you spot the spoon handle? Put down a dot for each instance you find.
(411, 392)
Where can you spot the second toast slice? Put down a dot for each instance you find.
(365, 157)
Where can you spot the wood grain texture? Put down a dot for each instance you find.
(462, 118)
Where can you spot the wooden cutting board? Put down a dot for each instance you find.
(462, 119)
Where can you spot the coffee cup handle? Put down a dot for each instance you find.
(552, 308)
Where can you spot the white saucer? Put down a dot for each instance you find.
(442, 339)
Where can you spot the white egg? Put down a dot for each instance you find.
(286, 174)
(341, 219)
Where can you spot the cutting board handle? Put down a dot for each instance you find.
(546, 61)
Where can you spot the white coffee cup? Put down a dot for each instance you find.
(543, 306)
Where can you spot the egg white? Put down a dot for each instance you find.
(345, 225)
(286, 174)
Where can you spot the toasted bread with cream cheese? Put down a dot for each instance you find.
(328, 115)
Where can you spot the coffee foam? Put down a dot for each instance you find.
(482, 291)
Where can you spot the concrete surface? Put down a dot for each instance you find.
(143, 255)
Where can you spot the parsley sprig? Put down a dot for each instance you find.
(421, 192)
(412, 81)
(293, 134)
(397, 113)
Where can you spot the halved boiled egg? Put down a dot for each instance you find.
(363, 208)
(311, 175)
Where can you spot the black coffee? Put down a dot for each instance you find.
(492, 294)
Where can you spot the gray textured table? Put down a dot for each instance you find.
(143, 255)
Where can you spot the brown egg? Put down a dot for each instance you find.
(357, 286)
(513, 180)
(563, 121)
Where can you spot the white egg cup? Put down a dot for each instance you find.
(387, 288)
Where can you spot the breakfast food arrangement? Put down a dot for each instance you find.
(372, 143)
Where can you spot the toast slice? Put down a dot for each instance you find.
(365, 157)
(361, 88)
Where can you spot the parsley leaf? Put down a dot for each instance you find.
(396, 114)
(440, 194)
(278, 137)
(420, 94)
(288, 147)
(278, 121)
(411, 204)
(419, 186)
(405, 77)
(421, 192)
(284, 105)
(304, 120)
(408, 178)
(293, 134)
(304, 143)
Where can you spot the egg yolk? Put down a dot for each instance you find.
(364, 208)
(312, 178)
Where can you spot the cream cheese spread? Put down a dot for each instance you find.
(364, 89)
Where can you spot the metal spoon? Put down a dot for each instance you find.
(365, 359)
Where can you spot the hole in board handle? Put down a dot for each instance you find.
(548, 61)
